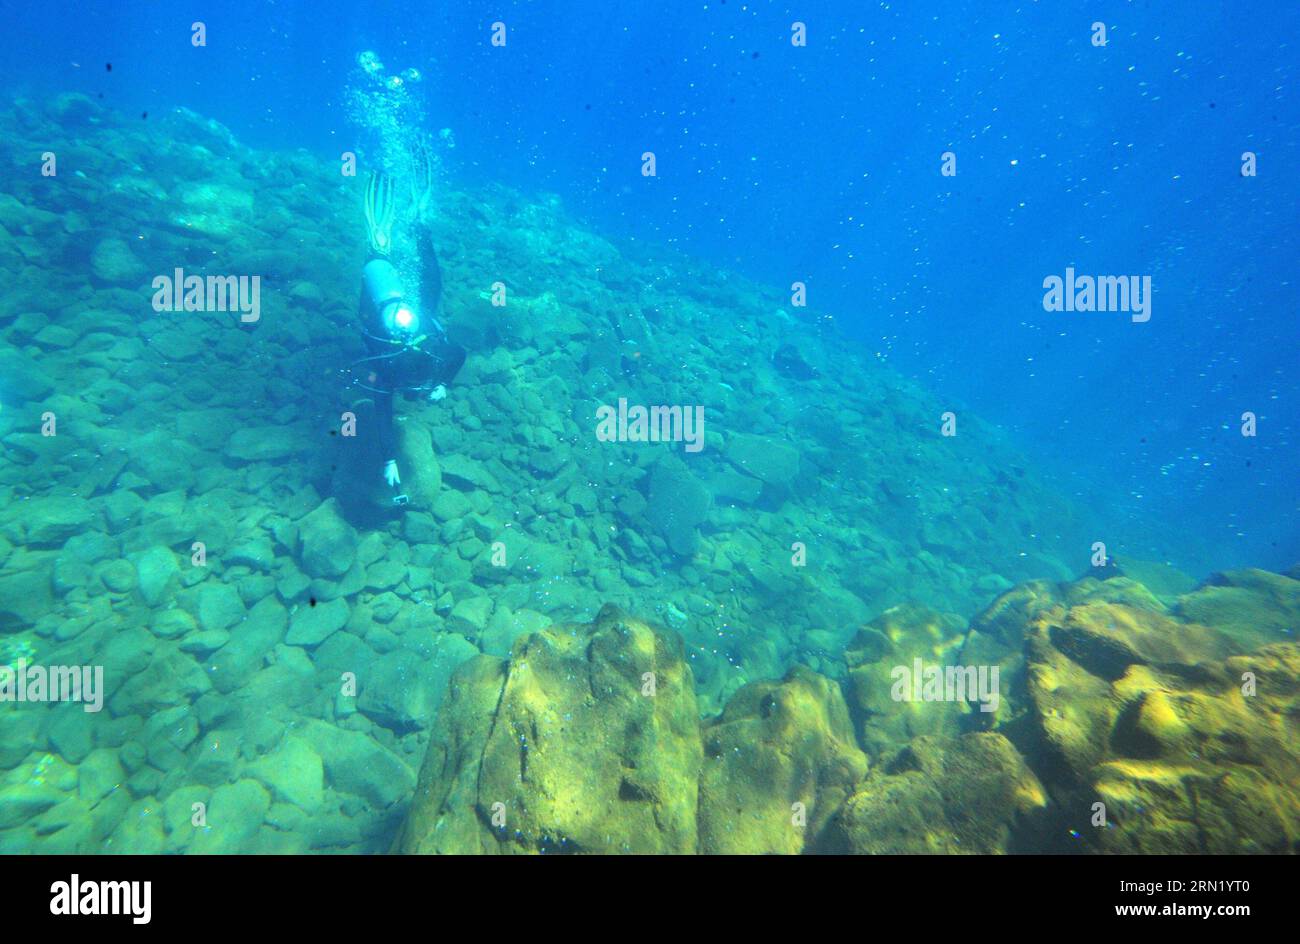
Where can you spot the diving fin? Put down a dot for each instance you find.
(422, 180)
(381, 209)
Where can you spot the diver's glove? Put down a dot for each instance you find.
(438, 393)
(390, 473)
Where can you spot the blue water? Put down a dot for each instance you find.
(821, 164)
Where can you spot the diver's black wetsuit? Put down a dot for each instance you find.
(393, 365)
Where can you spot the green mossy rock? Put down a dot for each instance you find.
(418, 464)
(155, 569)
(770, 461)
(327, 543)
(778, 762)
(234, 816)
(896, 638)
(568, 739)
(967, 795)
(677, 504)
(113, 261)
(293, 773)
(1188, 748)
(1254, 607)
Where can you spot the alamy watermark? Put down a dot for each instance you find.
(181, 292)
(77, 897)
(24, 682)
(920, 682)
(1131, 293)
(651, 424)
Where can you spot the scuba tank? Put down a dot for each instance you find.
(382, 289)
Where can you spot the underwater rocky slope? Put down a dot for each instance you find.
(224, 678)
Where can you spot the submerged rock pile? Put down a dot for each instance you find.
(1146, 737)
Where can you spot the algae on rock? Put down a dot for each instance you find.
(587, 740)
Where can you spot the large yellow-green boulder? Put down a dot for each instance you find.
(894, 640)
(1253, 606)
(778, 762)
(443, 817)
(586, 740)
(973, 794)
(1167, 730)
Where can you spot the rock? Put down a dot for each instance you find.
(397, 691)
(360, 766)
(993, 583)
(565, 739)
(265, 444)
(468, 474)
(257, 554)
(18, 736)
(294, 773)
(55, 337)
(582, 497)
(155, 569)
(311, 625)
(1166, 582)
(23, 374)
(27, 597)
(201, 644)
(22, 802)
(777, 745)
(1253, 607)
(1193, 766)
(100, 773)
(168, 734)
(113, 261)
(676, 504)
(176, 344)
(727, 483)
(220, 606)
(470, 616)
(770, 461)
(385, 574)
(418, 464)
(51, 521)
(968, 795)
(215, 758)
(118, 576)
(234, 816)
(139, 831)
(170, 624)
(506, 626)
(71, 732)
(173, 679)
(385, 607)
(306, 291)
(120, 509)
(539, 561)
(327, 543)
(1106, 638)
(896, 638)
(419, 528)
(1133, 706)
(450, 505)
(69, 574)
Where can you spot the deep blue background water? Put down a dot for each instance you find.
(822, 164)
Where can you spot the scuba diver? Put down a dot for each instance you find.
(407, 348)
